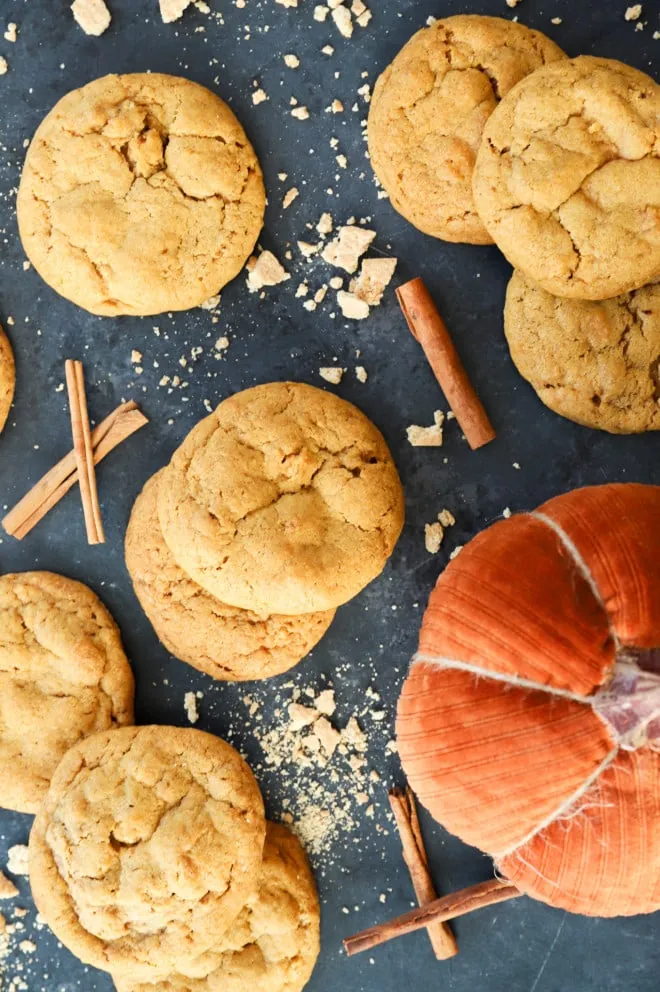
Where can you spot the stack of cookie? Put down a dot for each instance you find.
(482, 131)
(276, 509)
(151, 859)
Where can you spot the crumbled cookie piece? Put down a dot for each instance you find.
(512, 3)
(302, 290)
(634, 12)
(328, 736)
(190, 706)
(352, 306)
(300, 113)
(265, 271)
(321, 12)
(348, 247)
(427, 437)
(325, 224)
(259, 96)
(287, 3)
(336, 282)
(456, 552)
(343, 21)
(328, 50)
(17, 860)
(336, 107)
(4, 66)
(355, 736)
(92, 16)
(307, 249)
(211, 303)
(374, 278)
(7, 889)
(291, 61)
(290, 197)
(433, 537)
(301, 716)
(361, 373)
(446, 518)
(555, 20)
(172, 10)
(364, 18)
(332, 374)
(325, 702)
(11, 34)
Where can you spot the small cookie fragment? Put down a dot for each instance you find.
(289, 197)
(348, 247)
(343, 21)
(172, 10)
(11, 34)
(427, 437)
(332, 374)
(17, 860)
(352, 306)
(190, 706)
(4, 66)
(259, 96)
(634, 12)
(361, 373)
(7, 888)
(291, 61)
(373, 279)
(300, 113)
(265, 270)
(92, 16)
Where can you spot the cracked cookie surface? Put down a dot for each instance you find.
(140, 194)
(223, 641)
(284, 500)
(63, 676)
(428, 112)
(567, 178)
(147, 847)
(7, 377)
(597, 363)
(274, 943)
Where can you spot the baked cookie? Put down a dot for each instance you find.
(274, 943)
(284, 500)
(147, 847)
(428, 112)
(140, 194)
(223, 641)
(7, 378)
(567, 178)
(63, 676)
(597, 363)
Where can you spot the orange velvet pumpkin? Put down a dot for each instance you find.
(529, 724)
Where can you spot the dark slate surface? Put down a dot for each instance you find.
(523, 946)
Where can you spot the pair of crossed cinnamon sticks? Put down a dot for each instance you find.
(433, 913)
(89, 448)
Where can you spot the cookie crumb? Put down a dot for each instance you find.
(328, 736)
(11, 34)
(27, 946)
(506, 513)
(290, 197)
(336, 282)
(300, 113)
(307, 249)
(7, 888)
(4, 66)
(327, 50)
(265, 271)
(259, 96)
(325, 224)
(211, 303)
(374, 278)
(291, 61)
(433, 536)
(321, 12)
(556, 20)
(287, 3)
(17, 860)
(512, 3)
(325, 702)
(332, 374)
(634, 12)
(427, 437)
(172, 10)
(456, 552)
(190, 706)
(301, 716)
(446, 518)
(347, 248)
(361, 373)
(91, 15)
(352, 306)
(343, 21)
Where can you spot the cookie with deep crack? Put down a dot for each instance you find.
(223, 641)
(63, 676)
(595, 362)
(284, 500)
(274, 943)
(147, 847)
(7, 378)
(428, 112)
(140, 194)
(567, 179)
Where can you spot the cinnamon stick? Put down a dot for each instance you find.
(446, 908)
(404, 808)
(428, 327)
(56, 483)
(82, 447)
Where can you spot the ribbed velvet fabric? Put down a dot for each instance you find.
(495, 726)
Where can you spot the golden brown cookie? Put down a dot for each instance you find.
(223, 641)
(7, 377)
(597, 363)
(274, 943)
(140, 194)
(284, 500)
(567, 179)
(147, 847)
(428, 112)
(63, 676)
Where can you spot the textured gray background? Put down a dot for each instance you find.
(523, 946)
